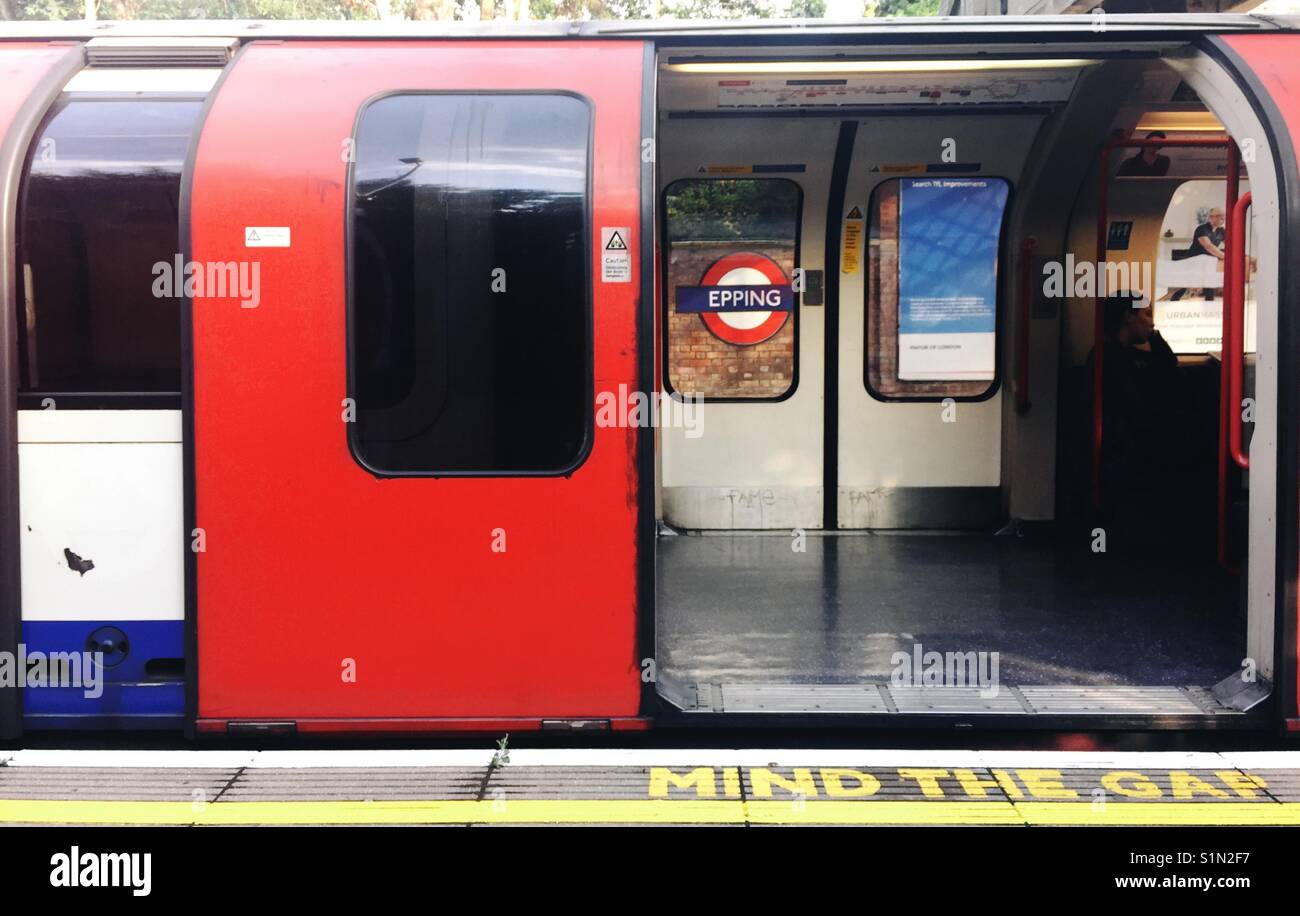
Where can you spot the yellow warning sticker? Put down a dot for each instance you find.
(851, 241)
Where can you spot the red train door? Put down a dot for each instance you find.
(421, 280)
(1267, 67)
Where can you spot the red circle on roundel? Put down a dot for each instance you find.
(744, 268)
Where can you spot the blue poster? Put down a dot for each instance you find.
(948, 234)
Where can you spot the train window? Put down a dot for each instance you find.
(1188, 280)
(99, 209)
(737, 344)
(470, 314)
(931, 323)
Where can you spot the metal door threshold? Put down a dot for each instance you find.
(886, 699)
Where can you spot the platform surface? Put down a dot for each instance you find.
(649, 786)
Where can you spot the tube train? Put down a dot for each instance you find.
(365, 379)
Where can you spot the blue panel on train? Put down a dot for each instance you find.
(138, 681)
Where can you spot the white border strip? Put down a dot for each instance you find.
(641, 757)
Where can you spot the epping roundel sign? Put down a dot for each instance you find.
(743, 298)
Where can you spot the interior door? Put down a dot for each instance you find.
(411, 513)
(742, 204)
(920, 413)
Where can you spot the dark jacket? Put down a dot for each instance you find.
(1142, 412)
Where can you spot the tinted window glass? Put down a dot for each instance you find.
(100, 207)
(470, 315)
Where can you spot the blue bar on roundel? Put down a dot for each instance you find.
(703, 299)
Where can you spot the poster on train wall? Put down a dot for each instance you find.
(948, 231)
(1188, 282)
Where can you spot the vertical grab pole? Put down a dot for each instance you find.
(1098, 323)
(1022, 325)
(1236, 303)
(1232, 180)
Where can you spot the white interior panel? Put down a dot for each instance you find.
(106, 485)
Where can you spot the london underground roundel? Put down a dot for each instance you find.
(743, 298)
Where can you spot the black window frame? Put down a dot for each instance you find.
(665, 255)
(1003, 263)
(589, 368)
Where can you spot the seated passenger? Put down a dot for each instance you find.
(1144, 420)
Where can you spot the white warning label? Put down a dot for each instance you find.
(266, 236)
(615, 254)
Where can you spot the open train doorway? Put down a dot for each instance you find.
(950, 460)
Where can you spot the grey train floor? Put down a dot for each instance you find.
(746, 607)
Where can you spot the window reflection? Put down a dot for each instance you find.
(469, 286)
(100, 207)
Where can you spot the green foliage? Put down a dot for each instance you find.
(807, 9)
(502, 755)
(732, 208)
(903, 7)
(720, 9)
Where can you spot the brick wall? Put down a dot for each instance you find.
(700, 363)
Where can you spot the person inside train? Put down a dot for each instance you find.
(1145, 422)
(1208, 237)
(1147, 162)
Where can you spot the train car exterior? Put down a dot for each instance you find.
(351, 375)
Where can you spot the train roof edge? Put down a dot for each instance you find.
(1007, 27)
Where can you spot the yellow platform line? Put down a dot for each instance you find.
(574, 811)
(641, 811)
(1119, 814)
(884, 812)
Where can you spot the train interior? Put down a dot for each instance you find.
(880, 496)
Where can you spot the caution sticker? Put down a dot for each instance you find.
(851, 246)
(266, 236)
(615, 254)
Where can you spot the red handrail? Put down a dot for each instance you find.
(1098, 325)
(1022, 325)
(1234, 357)
(1233, 178)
